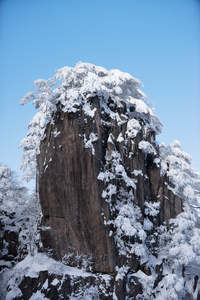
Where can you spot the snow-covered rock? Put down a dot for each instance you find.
(120, 213)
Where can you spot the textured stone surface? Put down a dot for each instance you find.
(9, 241)
(71, 195)
(53, 286)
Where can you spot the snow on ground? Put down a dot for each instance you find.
(32, 265)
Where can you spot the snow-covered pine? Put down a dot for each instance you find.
(185, 180)
(18, 208)
(71, 88)
(19, 217)
(44, 99)
(179, 246)
(12, 195)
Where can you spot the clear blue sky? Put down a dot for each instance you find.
(157, 41)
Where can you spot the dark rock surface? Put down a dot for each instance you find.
(58, 287)
(74, 211)
(9, 240)
(70, 193)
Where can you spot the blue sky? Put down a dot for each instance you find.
(157, 41)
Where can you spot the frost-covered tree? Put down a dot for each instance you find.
(11, 193)
(29, 236)
(71, 88)
(19, 212)
(19, 217)
(44, 99)
(179, 247)
(13, 198)
(180, 252)
(185, 180)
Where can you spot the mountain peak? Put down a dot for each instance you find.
(71, 90)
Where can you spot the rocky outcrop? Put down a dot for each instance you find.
(119, 213)
(9, 240)
(75, 205)
(54, 286)
(82, 159)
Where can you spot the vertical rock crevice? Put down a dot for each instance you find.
(76, 209)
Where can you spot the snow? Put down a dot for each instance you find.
(110, 138)
(56, 133)
(38, 296)
(121, 272)
(5, 263)
(148, 225)
(184, 179)
(12, 294)
(134, 230)
(32, 265)
(88, 111)
(147, 148)
(137, 172)
(74, 92)
(133, 127)
(157, 162)
(105, 176)
(146, 281)
(152, 208)
(120, 138)
(110, 190)
(93, 137)
(45, 285)
(119, 170)
(55, 281)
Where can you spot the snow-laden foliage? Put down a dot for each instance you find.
(125, 223)
(19, 216)
(12, 195)
(185, 180)
(173, 248)
(71, 88)
(45, 99)
(89, 143)
(176, 256)
(17, 207)
(179, 249)
(146, 147)
(13, 198)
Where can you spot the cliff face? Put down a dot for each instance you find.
(120, 214)
(70, 192)
(118, 211)
(101, 189)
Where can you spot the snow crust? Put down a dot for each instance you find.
(41, 262)
(146, 148)
(31, 267)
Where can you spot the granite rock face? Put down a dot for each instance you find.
(120, 213)
(88, 168)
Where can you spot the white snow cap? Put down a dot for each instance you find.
(72, 88)
(87, 80)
